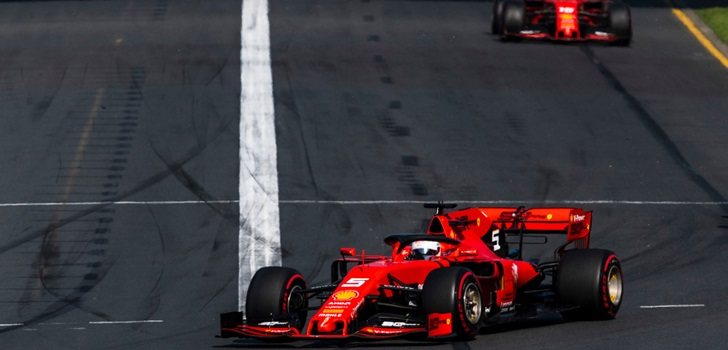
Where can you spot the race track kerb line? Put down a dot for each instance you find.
(700, 37)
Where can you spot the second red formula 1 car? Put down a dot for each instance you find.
(564, 20)
(446, 283)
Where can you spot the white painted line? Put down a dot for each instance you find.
(670, 306)
(259, 242)
(54, 323)
(126, 322)
(80, 328)
(92, 203)
(372, 202)
(10, 324)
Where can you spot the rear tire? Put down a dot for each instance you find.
(455, 291)
(514, 15)
(620, 23)
(273, 296)
(589, 284)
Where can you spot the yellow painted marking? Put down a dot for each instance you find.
(78, 155)
(81, 147)
(701, 38)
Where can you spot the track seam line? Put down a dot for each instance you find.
(367, 202)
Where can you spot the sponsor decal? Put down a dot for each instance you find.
(273, 323)
(439, 324)
(329, 313)
(578, 218)
(549, 216)
(509, 308)
(514, 271)
(566, 9)
(345, 295)
(396, 324)
(332, 311)
(338, 303)
(355, 282)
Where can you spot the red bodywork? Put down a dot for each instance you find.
(469, 237)
(567, 20)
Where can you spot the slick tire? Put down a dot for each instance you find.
(620, 23)
(272, 296)
(496, 17)
(589, 284)
(514, 16)
(455, 291)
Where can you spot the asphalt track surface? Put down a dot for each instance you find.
(375, 100)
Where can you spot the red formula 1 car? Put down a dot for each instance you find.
(442, 284)
(565, 20)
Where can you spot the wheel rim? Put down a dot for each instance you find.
(472, 302)
(295, 300)
(614, 285)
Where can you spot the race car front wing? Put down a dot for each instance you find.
(232, 325)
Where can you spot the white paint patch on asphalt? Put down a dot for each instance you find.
(259, 242)
(11, 324)
(670, 306)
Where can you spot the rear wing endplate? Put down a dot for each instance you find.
(575, 223)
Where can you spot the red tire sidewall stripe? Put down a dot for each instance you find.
(466, 326)
(606, 304)
(287, 291)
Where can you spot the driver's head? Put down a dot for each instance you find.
(424, 249)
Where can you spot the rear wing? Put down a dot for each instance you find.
(575, 223)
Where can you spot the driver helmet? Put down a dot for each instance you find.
(424, 249)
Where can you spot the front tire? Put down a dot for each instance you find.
(620, 22)
(514, 16)
(455, 291)
(496, 17)
(274, 295)
(589, 284)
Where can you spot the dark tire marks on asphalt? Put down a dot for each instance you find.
(655, 129)
(60, 271)
(407, 170)
(68, 303)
